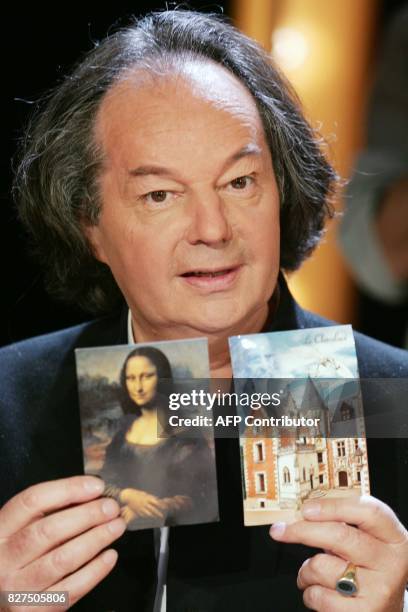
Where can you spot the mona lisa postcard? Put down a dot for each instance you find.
(308, 440)
(132, 432)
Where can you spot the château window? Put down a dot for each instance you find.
(341, 449)
(346, 412)
(286, 475)
(259, 452)
(260, 484)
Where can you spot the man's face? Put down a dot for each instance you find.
(190, 209)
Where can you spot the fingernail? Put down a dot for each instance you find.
(94, 485)
(117, 526)
(310, 510)
(277, 530)
(305, 562)
(109, 556)
(110, 507)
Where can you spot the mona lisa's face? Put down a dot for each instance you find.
(141, 380)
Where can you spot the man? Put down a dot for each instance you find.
(173, 168)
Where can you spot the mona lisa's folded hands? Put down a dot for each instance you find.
(53, 536)
(362, 531)
(141, 503)
(177, 503)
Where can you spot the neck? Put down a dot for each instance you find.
(218, 345)
(220, 362)
(149, 414)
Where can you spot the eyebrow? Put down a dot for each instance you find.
(248, 150)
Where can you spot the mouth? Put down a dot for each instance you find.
(209, 273)
(217, 279)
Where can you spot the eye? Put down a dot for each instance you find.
(242, 182)
(158, 197)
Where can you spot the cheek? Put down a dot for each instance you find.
(265, 236)
(139, 255)
(152, 246)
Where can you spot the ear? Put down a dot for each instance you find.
(95, 240)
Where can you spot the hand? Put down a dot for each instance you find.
(176, 503)
(127, 514)
(362, 530)
(141, 503)
(52, 535)
(166, 505)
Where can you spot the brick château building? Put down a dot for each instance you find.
(283, 468)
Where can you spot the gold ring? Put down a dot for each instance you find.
(347, 583)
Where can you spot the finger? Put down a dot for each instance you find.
(325, 570)
(153, 507)
(345, 541)
(181, 504)
(366, 512)
(66, 559)
(182, 499)
(46, 533)
(127, 514)
(177, 504)
(145, 501)
(154, 501)
(45, 497)
(321, 569)
(320, 599)
(153, 511)
(85, 579)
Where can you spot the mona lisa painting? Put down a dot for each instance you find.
(159, 474)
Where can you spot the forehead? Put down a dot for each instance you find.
(139, 362)
(157, 115)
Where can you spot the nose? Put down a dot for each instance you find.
(209, 221)
(139, 385)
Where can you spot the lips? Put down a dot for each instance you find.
(212, 280)
(208, 273)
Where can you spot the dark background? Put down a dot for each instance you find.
(38, 47)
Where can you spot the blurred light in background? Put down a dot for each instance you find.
(290, 48)
(324, 48)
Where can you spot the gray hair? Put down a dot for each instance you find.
(56, 183)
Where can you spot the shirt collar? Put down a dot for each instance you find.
(130, 336)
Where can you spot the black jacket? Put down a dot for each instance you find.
(212, 567)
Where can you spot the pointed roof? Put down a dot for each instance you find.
(311, 399)
(288, 403)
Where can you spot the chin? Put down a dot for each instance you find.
(218, 318)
